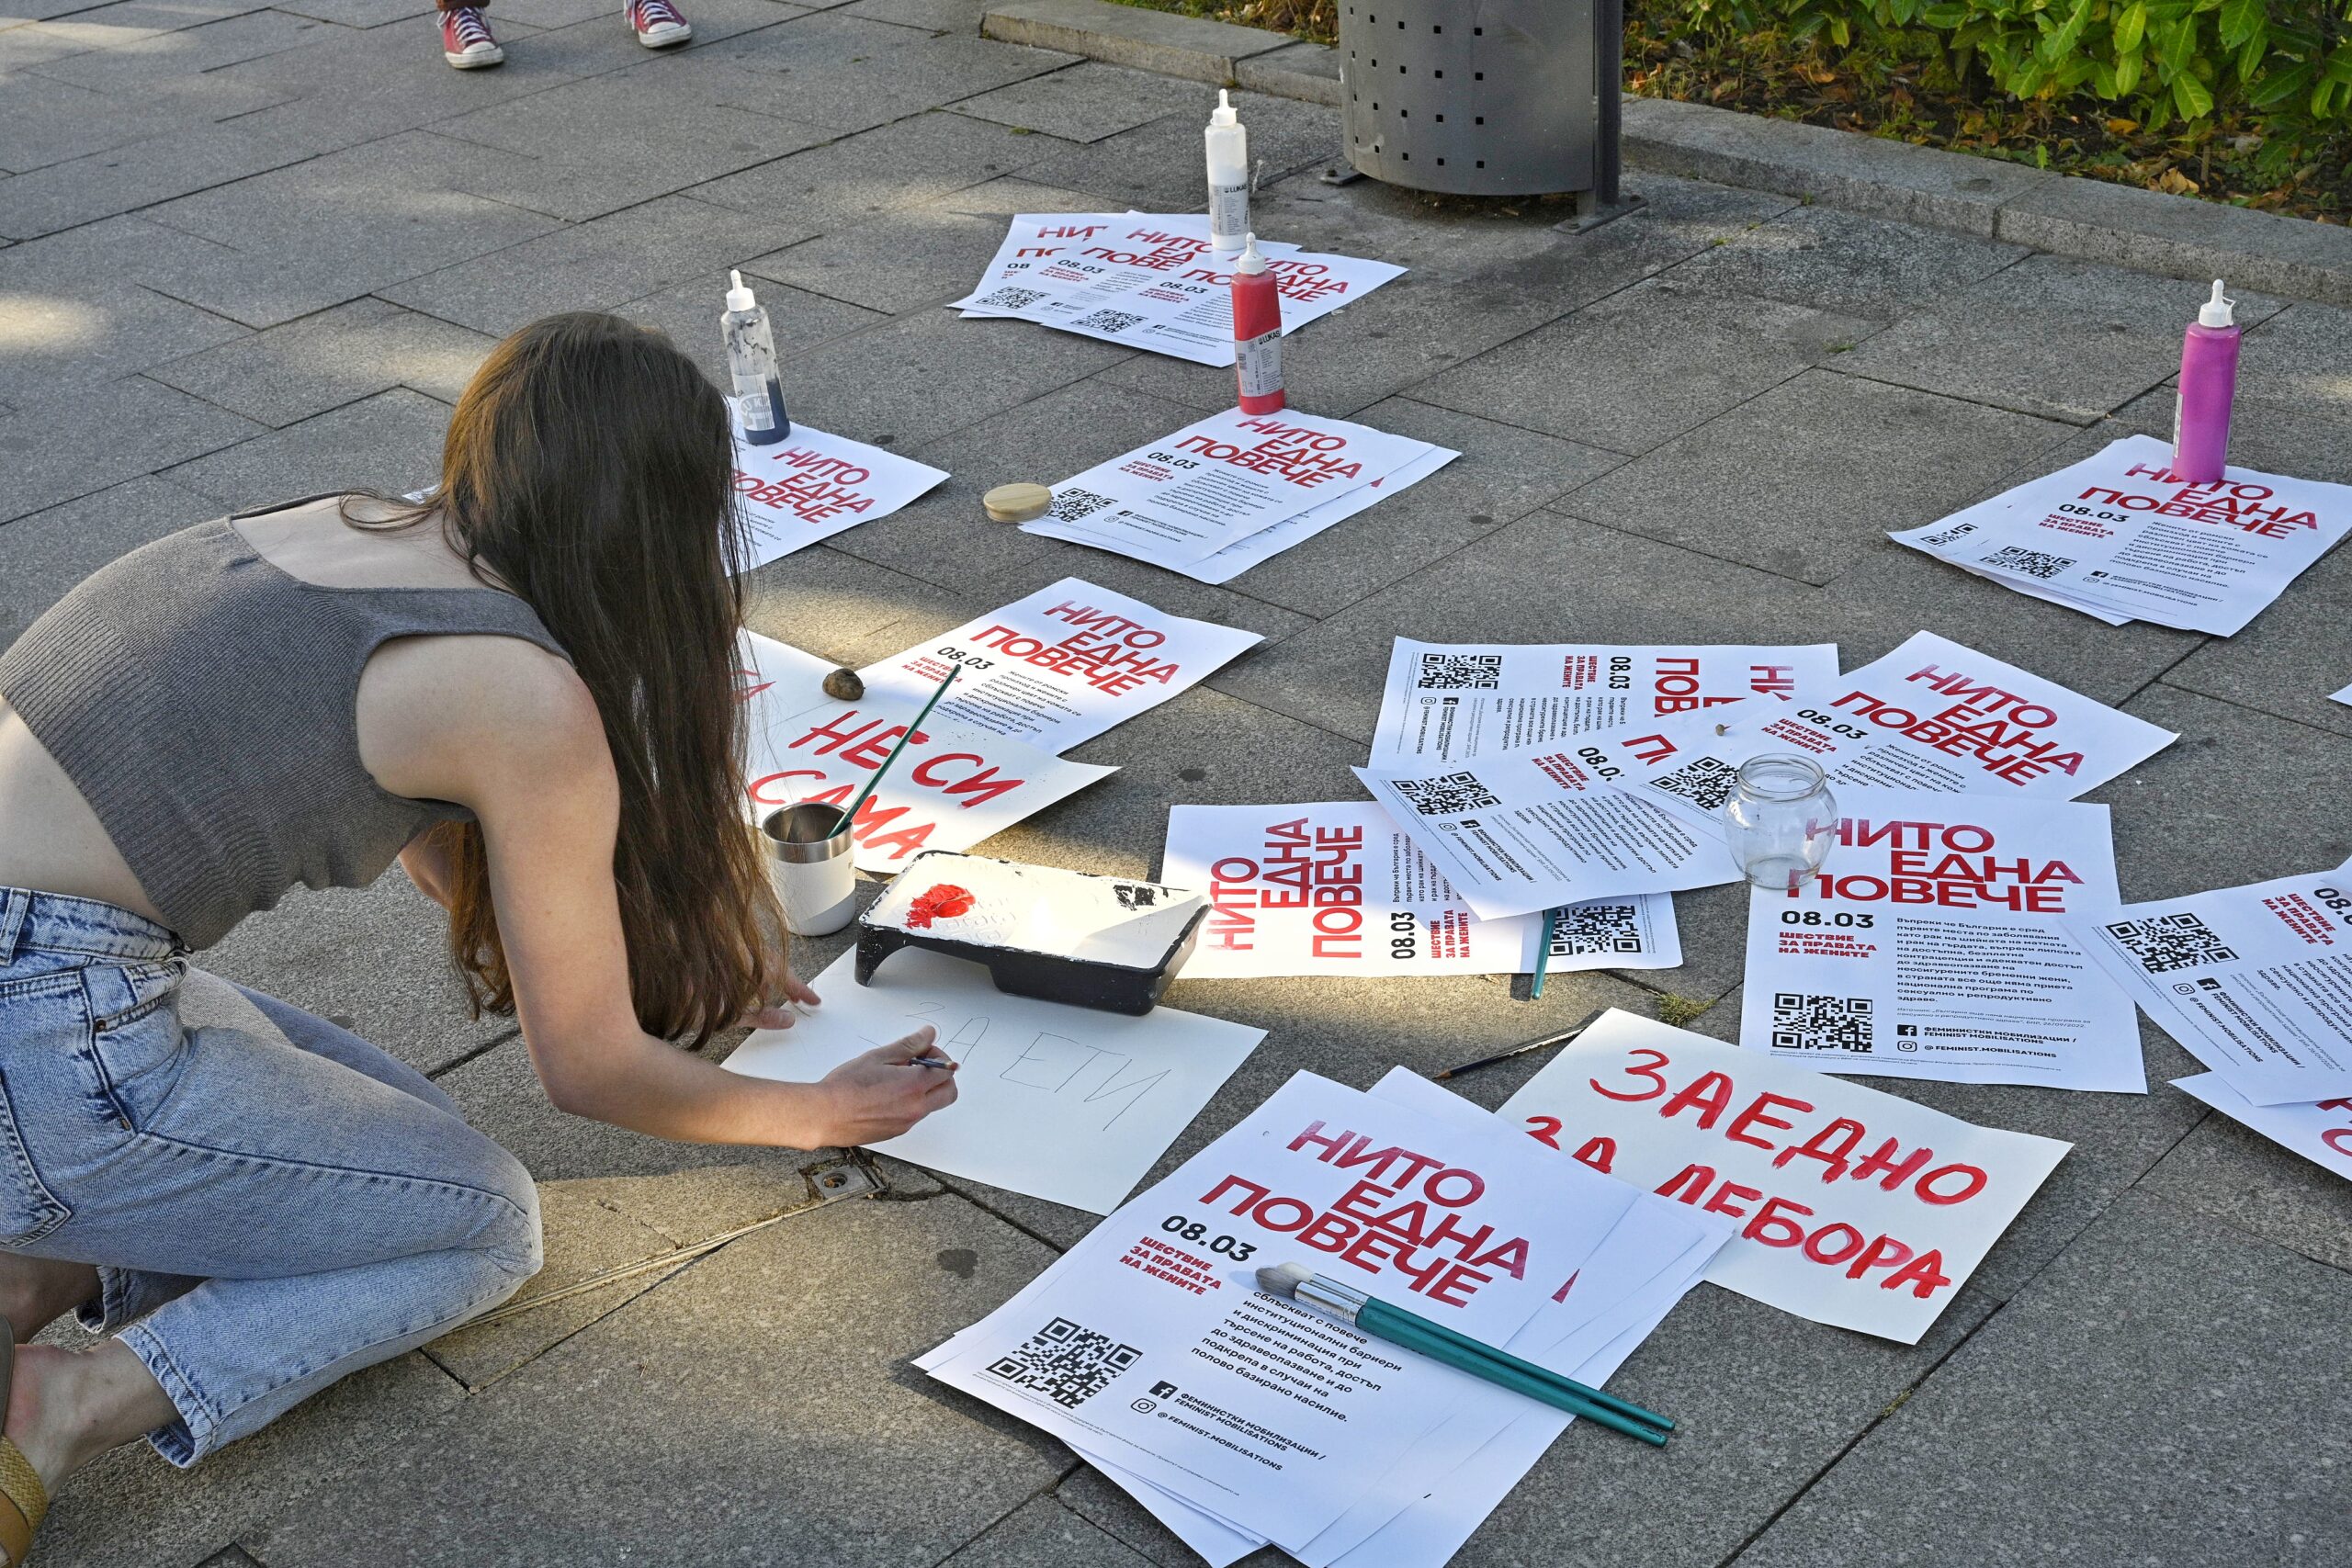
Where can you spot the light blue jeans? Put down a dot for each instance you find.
(272, 1202)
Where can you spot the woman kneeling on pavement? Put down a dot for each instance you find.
(522, 688)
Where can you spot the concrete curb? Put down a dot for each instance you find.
(2068, 215)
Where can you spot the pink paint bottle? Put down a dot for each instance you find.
(1257, 332)
(2209, 382)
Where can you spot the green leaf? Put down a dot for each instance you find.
(2239, 19)
(2057, 45)
(2178, 47)
(2130, 27)
(2127, 74)
(2339, 66)
(2278, 87)
(2190, 97)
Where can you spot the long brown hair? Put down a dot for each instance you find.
(589, 468)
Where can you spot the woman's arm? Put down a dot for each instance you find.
(427, 864)
(537, 774)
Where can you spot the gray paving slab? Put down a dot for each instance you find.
(373, 959)
(49, 551)
(1795, 479)
(1086, 102)
(2227, 1170)
(281, 245)
(1157, 167)
(360, 13)
(840, 607)
(594, 266)
(391, 442)
(67, 331)
(915, 379)
(188, 51)
(585, 149)
(79, 440)
(739, 1408)
(2292, 658)
(1762, 1401)
(338, 357)
(851, 74)
(1702, 354)
(945, 538)
(906, 261)
(132, 1509)
(938, 16)
(1848, 263)
(688, 312)
(139, 174)
(1042, 1533)
(1223, 606)
(44, 121)
(2157, 1432)
(2053, 336)
(2306, 437)
(875, 174)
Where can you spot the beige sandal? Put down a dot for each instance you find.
(23, 1498)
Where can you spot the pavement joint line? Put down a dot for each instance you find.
(983, 1205)
(484, 1049)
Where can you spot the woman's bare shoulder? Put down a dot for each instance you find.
(472, 716)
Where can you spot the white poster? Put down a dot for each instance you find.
(2256, 982)
(1151, 280)
(1254, 1409)
(810, 486)
(1335, 887)
(952, 787)
(1059, 667)
(1930, 715)
(1550, 825)
(1064, 1103)
(2320, 1131)
(1450, 700)
(1859, 1209)
(778, 679)
(1933, 944)
(2344, 696)
(2121, 531)
(1216, 481)
(1266, 543)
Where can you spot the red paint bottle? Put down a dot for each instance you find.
(1257, 332)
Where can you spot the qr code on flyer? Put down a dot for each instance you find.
(2171, 941)
(1707, 782)
(1068, 1364)
(1958, 531)
(1580, 929)
(1802, 1022)
(2028, 563)
(1106, 321)
(1446, 793)
(1461, 672)
(1070, 506)
(1007, 300)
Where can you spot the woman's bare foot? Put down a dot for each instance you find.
(36, 1292)
(66, 1407)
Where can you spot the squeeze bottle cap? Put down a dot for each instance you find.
(1224, 113)
(2215, 313)
(740, 298)
(1251, 262)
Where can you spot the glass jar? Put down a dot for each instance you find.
(1782, 820)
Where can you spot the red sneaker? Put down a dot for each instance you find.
(657, 23)
(466, 42)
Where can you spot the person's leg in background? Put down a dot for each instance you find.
(466, 41)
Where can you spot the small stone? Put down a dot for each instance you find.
(844, 686)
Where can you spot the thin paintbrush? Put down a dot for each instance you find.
(1561, 1038)
(1295, 1281)
(849, 812)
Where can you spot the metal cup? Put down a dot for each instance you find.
(808, 848)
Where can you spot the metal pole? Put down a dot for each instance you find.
(1609, 86)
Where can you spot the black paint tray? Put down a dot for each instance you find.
(1060, 936)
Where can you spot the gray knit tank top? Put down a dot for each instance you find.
(206, 704)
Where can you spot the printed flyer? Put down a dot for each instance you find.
(2256, 982)
(1933, 944)
(778, 679)
(1555, 824)
(1266, 543)
(953, 787)
(1256, 1410)
(2122, 532)
(1182, 499)
(1151, 280)
(1058, 667)
(1930, 715)
(1336, 887)
(1450, 700)
(1857, 1208)
(2320, 1131)
(810, 486)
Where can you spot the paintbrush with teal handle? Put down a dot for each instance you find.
(1295, 1281)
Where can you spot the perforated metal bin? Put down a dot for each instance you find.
(1484, 98)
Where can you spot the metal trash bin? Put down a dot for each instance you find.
(1491, 97)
